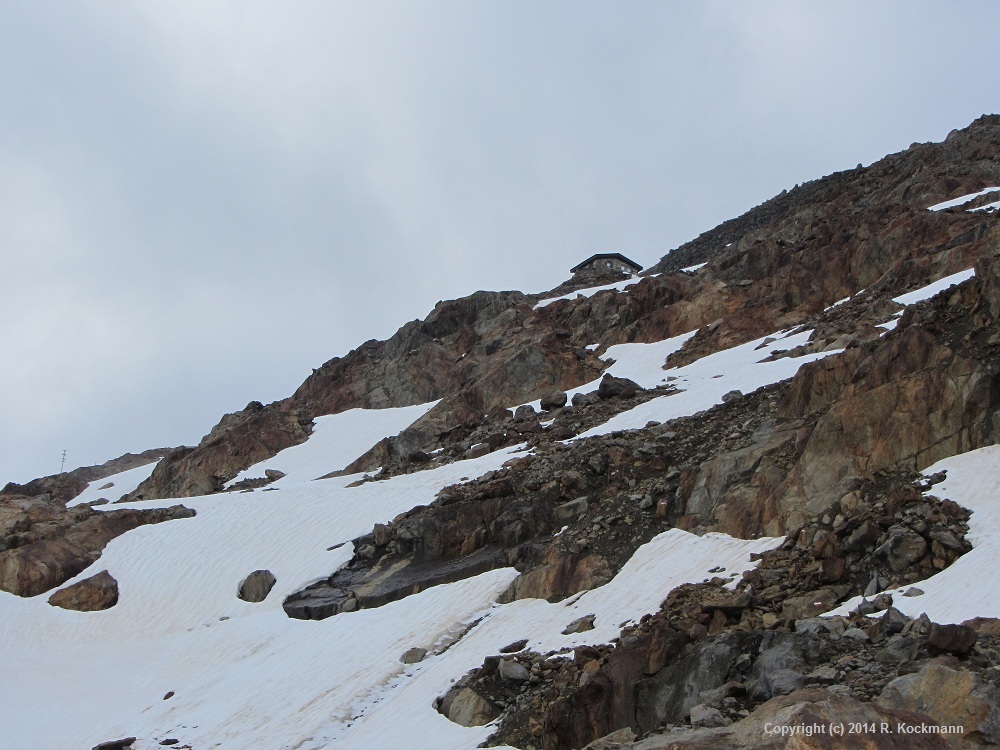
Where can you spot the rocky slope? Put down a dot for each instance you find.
(772, 268)
(828, 458)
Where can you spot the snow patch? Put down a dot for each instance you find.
(961, 200)
(336, 441)
(123, 483)
(591, 291)
(838, 303)
(988, 207)
(704, 382)
(642, 363)
(926, 292)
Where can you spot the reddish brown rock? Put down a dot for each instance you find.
(89, 595)
(558, 575)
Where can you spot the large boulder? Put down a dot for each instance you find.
(256, 586)
(669, 695)
(89, 595)
(466, 707)
(612, 387)
(955, 639)
(950, 697)
(552, 401)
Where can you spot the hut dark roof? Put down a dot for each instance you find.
(602, 256)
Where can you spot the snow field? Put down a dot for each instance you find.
(591, 291)
(245, 675)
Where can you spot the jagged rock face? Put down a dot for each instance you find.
(44, 544)
(252, 436)
(859, 229)
(785, 260)
(478, 353)
(724, 652)
(912, 180)
(923, 392)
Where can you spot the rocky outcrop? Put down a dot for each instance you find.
(387, 581)
(478, 353)
(64, 487)
(559, 574)
(612, 493)
(43, 544)
(712, 655)
(256, 434)
(923, 392)
(89, 595)
(951, 697)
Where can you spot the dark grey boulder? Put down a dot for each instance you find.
(612, 387)
(552, 401)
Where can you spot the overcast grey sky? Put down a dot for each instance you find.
(199, 202)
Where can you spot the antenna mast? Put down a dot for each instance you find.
(62, 466)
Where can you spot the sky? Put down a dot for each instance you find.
(200, 202)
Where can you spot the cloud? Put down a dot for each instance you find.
(203, 201)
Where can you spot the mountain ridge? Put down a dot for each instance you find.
(784, 399)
